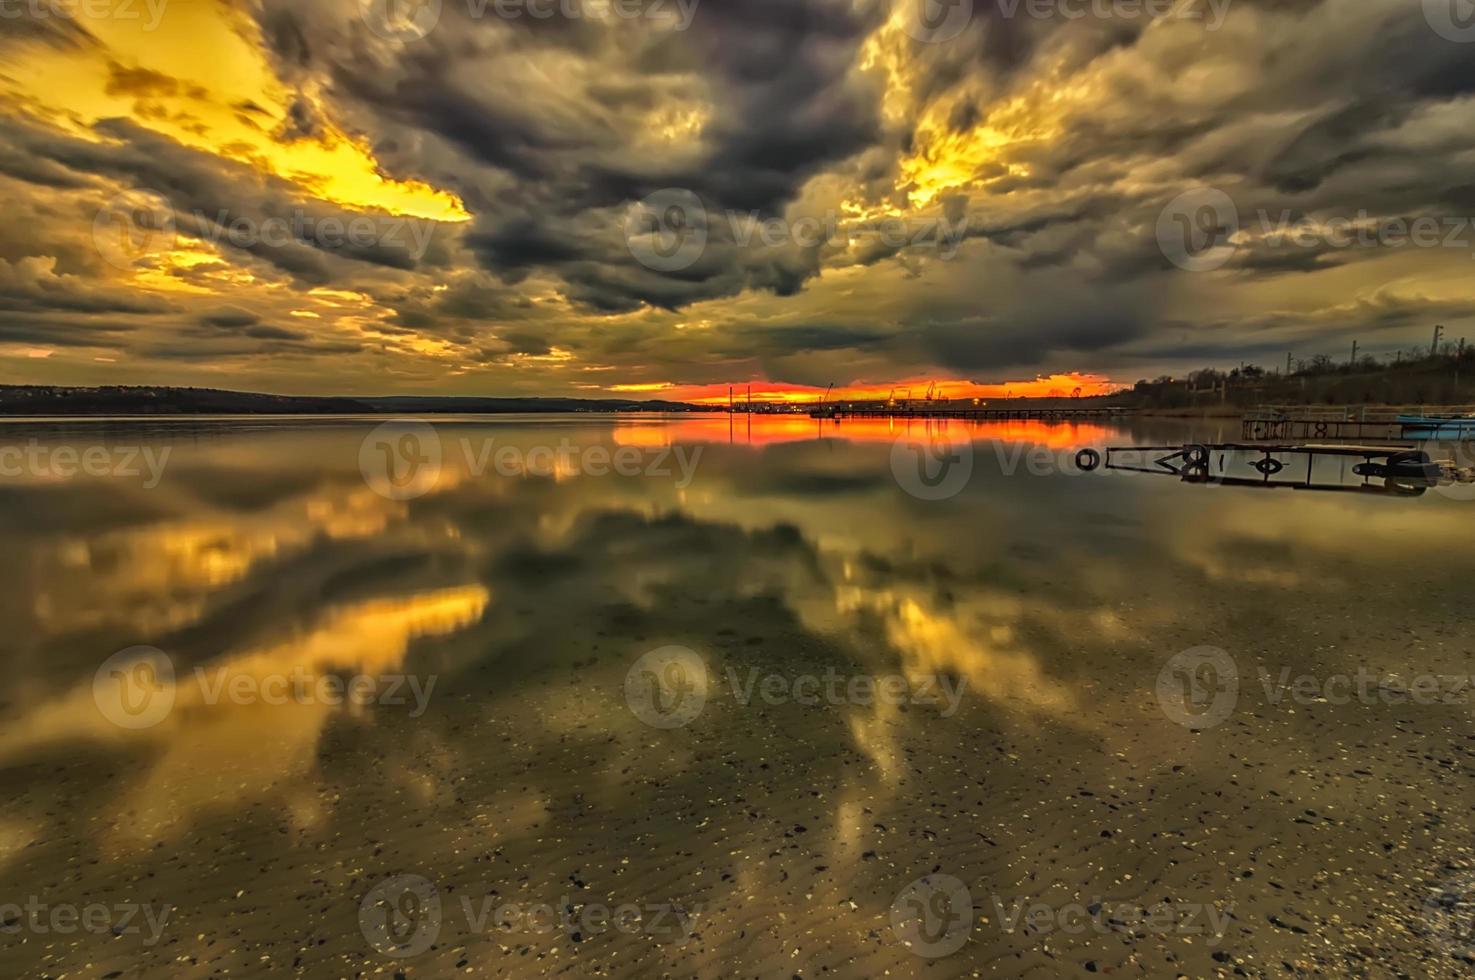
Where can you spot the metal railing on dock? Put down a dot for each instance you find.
(1391, 470)
(1383, 423)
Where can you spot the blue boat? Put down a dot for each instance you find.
(1438, 426)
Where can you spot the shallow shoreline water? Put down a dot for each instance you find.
(896, 692)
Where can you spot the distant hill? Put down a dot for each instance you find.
(1410, 379)
(151, 400)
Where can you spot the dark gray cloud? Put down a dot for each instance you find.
(32, 285)
(49, 331)
(1052, 145)
(1029, 337)
(551, 164)
(233, 317)
(225, 203)
(776, 81)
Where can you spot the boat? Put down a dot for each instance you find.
(1438, 426)
(823, 411)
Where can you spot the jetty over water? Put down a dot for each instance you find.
(1392, 423)
(1386, 469)
(970, 412)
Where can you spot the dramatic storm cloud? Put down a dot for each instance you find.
(670, 196)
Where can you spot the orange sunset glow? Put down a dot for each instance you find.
(1055, 386)
(769, 430)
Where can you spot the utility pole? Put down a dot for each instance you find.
(1288, 364)
(1438, 334)
(1354, 354)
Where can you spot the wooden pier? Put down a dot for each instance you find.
(1395, 470)
(970, 413)
(1282, 423)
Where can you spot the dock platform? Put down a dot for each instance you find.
(1295, 422)
(970, 413)
(1402, 470)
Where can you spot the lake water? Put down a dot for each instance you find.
(699, 696)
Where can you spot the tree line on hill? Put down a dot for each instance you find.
(154, 400)
(1445, 376)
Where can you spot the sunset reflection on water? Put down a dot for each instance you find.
(767, 430)
(518, 602)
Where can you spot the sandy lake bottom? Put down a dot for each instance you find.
(681, 697)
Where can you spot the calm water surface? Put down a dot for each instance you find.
(593, 696)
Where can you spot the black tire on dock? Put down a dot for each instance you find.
(1088, 460)
(1414, 464)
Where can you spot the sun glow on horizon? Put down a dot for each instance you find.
(1068, 385)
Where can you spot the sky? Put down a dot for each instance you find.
(653, 198)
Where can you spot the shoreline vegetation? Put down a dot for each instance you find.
(1407, 380)
(61, 400)
(1434, 376)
